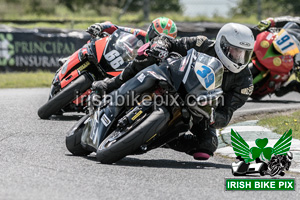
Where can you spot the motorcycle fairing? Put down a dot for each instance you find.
(202, 73)
(97, 126)
(120, 50)
(75, 59)
(64, 82)
(268, 57)
(114, 73)
(285, 43)
(100, 46)
(69, 64)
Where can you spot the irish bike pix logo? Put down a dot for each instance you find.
(261, 159)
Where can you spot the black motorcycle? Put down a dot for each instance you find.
(150, 109)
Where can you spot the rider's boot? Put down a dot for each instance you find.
(207, 145)
(201, 148)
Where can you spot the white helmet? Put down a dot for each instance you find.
(234, 46)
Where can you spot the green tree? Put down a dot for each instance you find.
(157, 5)
(40, 7)
(76, 5)
(102, 6)
(270, 8)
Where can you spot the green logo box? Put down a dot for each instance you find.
(259, 184)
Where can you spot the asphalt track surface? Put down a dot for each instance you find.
(35, 164)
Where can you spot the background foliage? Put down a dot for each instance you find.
(246, 11)
(269, 8)
(100, 7)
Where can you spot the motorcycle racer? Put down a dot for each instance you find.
(279, 22)
(157, 26)
(161, 25)
(233, 47)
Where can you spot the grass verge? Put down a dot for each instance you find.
(26, 79)
(282, 123)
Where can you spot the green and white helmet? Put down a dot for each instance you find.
(161, 25)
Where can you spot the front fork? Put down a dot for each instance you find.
(55, 86)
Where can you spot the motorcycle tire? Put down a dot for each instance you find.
(73, 139)
(112, 151)
(66, 96)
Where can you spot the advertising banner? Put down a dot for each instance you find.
(37, 49)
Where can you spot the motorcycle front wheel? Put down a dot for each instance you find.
(114, 147)
(73, 139)
(65, 96)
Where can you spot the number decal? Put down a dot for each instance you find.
(117, 62)
(111, 55)
(285, 44)
(114, 58)
(206, 73)
(283, 40)
(210, 79)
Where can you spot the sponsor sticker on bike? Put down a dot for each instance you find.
(141, 77)
(105, 120)
(83, 66)
(136, 115)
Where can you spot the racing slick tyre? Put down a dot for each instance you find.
(114, 148)
(73, 139)
(65, 96)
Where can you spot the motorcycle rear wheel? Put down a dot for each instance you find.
(64, 97)
(112, 150)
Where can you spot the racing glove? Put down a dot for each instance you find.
(264, 25)
(95, 30)
(100, 87)
(107, 85)
(158, 48)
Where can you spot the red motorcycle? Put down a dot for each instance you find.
(273, 62)
(101, 57)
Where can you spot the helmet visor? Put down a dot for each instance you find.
(238, 55)
(151, 33)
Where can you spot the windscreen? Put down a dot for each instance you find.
(121, 49)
